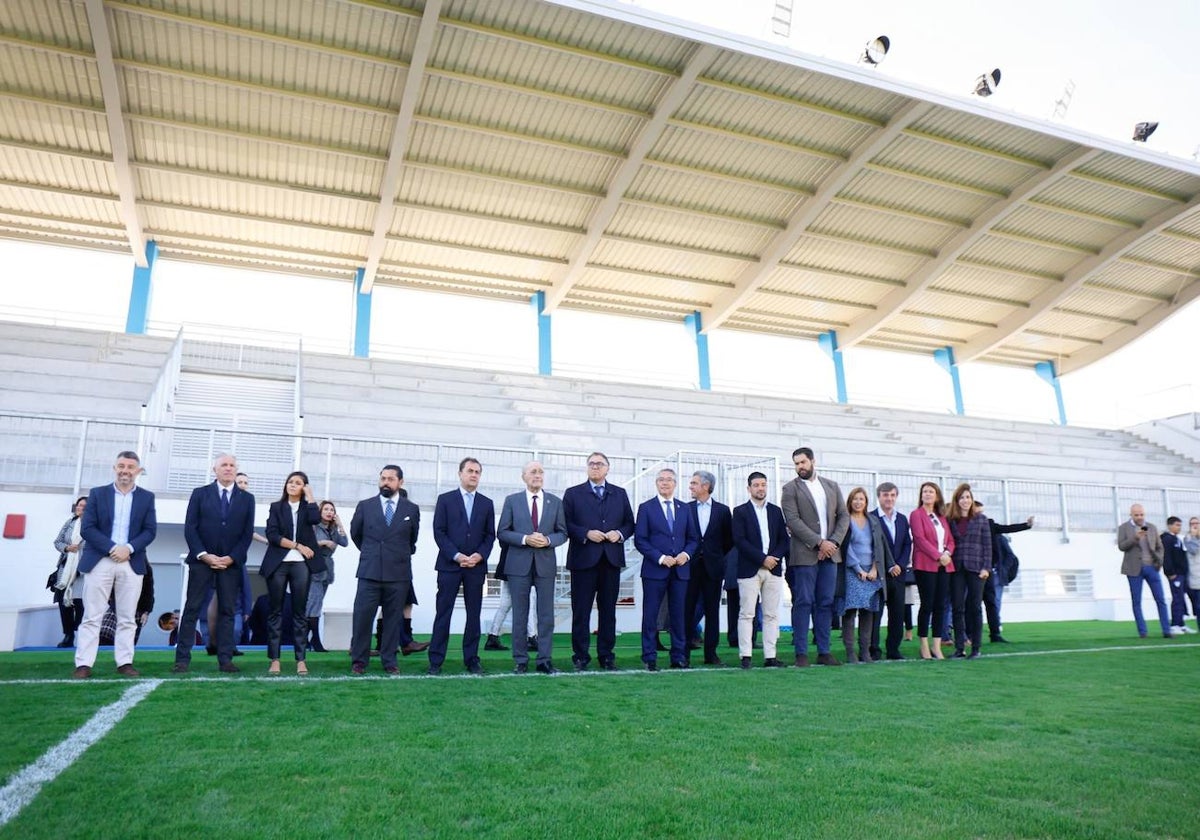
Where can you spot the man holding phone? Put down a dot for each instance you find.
(1143, 557)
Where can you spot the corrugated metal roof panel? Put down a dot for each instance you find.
(955, 306)
(661, 290)
(1106, 304)
(945, 331)
(504, 236)
(67, 173)
(177, 146)
(682, 228)
(277, 233)
(882, 228)
(951, 163)
(1092, 197)
(853, 258)
(515, 157)
(52, 203)
(666, 260)
(713, 195)
(493, 198)
(977, 280)
(798, 307)
(64, 24)
(1143, 174)
(793, 280)
(1050, 226)
(472, 262)
(33, 122)
(253, 111)
(55, 76)
(742, 157)
(994, 135)
(523, 113)
(1168, 250)
(902, 193)
(1135, 278)
(1021, 256)
(91, 229)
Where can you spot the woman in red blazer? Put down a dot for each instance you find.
(933, 547)
(288, 563)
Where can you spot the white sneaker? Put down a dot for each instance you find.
(1187, 629)
(1178, 631)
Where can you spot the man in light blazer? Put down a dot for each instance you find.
(385, 529)
(464, 528)
(1142, 548)
(599, 520)
(218, 527)
(667, 538)
(714, 524)
(532, 525)
(118, 523)
(761, 539)
(816, 515)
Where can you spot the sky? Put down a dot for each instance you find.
(1127, 62)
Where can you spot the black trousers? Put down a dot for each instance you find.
(448, 583)
(934, 588)
(70, 614)
(894, 592)
(704, 590)
(967, 592)
(296, 577)
(598, 585)
(228, 583)
(371, 595)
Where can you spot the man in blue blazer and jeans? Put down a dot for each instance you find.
(118, 523)
(464, 528)
(218, 527)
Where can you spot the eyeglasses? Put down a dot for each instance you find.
(595, 465)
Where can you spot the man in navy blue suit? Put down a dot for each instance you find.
(899, 541)
(218, 527)
(464, 528)
(761, 538)
(599, 520)
(714, 524)
(118, 523)
(668, 538)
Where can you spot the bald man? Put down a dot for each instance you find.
(1143, 557)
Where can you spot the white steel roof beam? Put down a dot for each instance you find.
(1075, 279)
(117, 138)
(649, 134)
(753, 277)
(898, 300)
(1130, 293)
(401, 134)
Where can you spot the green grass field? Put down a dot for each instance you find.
(1076, 730)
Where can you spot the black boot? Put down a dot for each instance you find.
(68, 641)
(494, 643)
(314, 626)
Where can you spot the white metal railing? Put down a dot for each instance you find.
(69, 453)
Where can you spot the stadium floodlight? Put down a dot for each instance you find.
(986, 84)
(875, 51)
(1143, 130)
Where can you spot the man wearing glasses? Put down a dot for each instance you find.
(599, 520)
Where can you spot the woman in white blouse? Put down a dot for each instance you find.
(933, 547)
(288, 563)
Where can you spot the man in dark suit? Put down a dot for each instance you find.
(385, 529)
(667, 537)
(118, 523)
(464, 527)
(218, 527)
(599, 520)
(761, 540)
(532, 526)
(817, 519)
(714, 524)
(899, 541)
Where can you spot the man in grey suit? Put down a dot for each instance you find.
(816, 516)
(1142, 548)
(532, 526)
(385, 530)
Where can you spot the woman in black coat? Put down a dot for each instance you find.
(291, 554)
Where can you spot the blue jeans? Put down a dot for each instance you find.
(1150, 575)
(812, 600)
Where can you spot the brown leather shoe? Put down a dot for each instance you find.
(82, 672)
(416, 647)
(358, 669)
(802, 660)
(179, 668)
(127, 670)
(827, 659)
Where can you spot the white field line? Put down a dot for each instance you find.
(592, 673)
(25, 785)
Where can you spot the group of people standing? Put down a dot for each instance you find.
(1146, 553)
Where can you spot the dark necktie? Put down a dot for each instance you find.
(599, 491)
(670, 509)
(224, 504)
(389, 510)
(534, 514)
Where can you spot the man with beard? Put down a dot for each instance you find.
(384, 529)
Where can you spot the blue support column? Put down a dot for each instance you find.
(945, 357)
(1048, 372)
(138, 317)
(362, 317)
(545, 360)
(828, 343)
(695, 325)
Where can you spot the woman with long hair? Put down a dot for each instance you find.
(933, 562)
(864, 557)
(973, 566)
(67, 583)
(330, 534)
(290, 559)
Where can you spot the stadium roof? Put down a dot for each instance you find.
(611, 159)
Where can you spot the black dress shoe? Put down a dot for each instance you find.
(974, 654)
(237, 652)
(473, 667)
(358, 669)
(713, 660)
(211, 650)
(434, 670)
(999, 640)
(580, 665)
(521, 668)
(66, 642)
(745, 663)
(895, 656)
(773, 662)
(958, 654)
(608, 665)
(493, 643)
(179, 668)
(681, 666)
(651, 666)
(392, 671)
(546, 668)
(229, 668)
